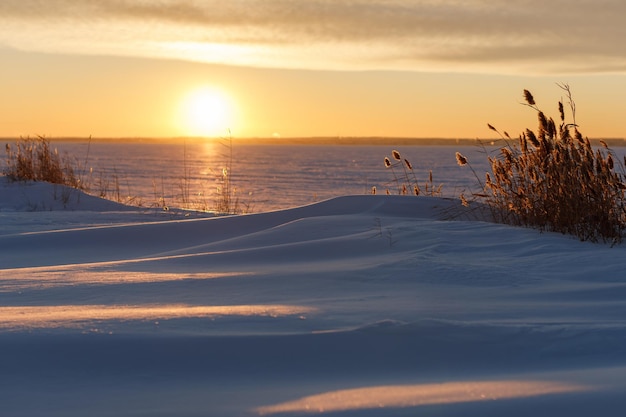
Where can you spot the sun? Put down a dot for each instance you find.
(207, 112)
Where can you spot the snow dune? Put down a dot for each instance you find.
(358, 305)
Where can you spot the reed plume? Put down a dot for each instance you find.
(555, 180)
(529, 98)
(460, 159)
(407, 181)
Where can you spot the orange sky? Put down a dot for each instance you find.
(318, 68)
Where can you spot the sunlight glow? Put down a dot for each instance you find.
(22, 279)
(77, 316)
(206, 112)
(419, 394)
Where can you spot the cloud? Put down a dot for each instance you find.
(442, 35)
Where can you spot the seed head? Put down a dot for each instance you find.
(487, 179)
(408, 164)
(578, 135)
(543, 122)
(551, 128)
(460, 159)
(387, 163)
(396, 155)
(507, 155)
(529, 98)
(532, 138)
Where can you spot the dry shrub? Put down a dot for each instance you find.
(33, 159)
(555, 180)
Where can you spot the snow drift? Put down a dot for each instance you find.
(358, 305)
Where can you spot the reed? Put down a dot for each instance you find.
(405, 181)
(554, 180)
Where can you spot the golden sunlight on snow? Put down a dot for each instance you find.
(72, 315)
(419, 394)
(91, 274)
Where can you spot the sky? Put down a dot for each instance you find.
(398, 68)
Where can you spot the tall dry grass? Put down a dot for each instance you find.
(405, 181)
(226, 198)
(555, 180)
(34, 159)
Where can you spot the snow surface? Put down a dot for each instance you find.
(354, 306)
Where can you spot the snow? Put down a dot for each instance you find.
(357, 305)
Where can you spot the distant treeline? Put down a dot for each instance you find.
(322, 140)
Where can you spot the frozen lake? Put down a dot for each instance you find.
(266, 176)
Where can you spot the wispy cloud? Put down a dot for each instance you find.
(450, 35)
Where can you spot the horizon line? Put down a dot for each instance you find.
(308, 140)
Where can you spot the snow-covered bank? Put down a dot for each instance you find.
(359, 305)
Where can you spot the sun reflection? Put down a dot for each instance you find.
(16, 317)
(419, 394)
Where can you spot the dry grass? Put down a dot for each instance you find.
(554, 180)
(33, 159)
(227, 201)
(404, 178)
